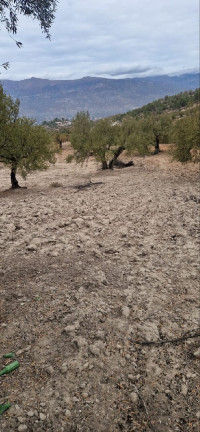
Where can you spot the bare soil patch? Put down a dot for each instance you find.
(87, 274)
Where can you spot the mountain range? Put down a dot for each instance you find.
(44, 99)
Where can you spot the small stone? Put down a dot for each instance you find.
(18, 409)
(191, 375)
(122, 362)
(198, 414)
(30, 413)
(125, 311)
(101, 365)
(69, 329)
(64, 367)
(67, 400)
(184, 389)
(91, 367)
(54, 254)
(50, 370)
(118, 346)
(31, 248)
(94, 350)
(134, 397)
(138, 377)
(85, 366)
(100, 334)
(42, 416)
(131, 377)
(197, 353)
(68, 413)
(22, 428)
(85, 395)
(21, 419)
(75, 399)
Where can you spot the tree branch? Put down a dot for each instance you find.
(189, 335)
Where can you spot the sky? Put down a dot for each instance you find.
(107, 38)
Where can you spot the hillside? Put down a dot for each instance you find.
(182, 101)
(90, 277)
(45, 99)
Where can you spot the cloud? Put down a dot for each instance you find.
(129, 71)
(107, 38)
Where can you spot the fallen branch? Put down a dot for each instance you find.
(86, 185)
(120, 164)
(188, 335)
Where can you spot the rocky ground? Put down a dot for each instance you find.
(94, 266)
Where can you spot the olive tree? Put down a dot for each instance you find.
(27, 148)
(134, 135)
(81, 139)
(106, 143)
(100, 139)
(60, 138)
(186, 139)
(24, 146)
(157, 129)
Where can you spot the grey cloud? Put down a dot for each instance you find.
(107, 38)
(127, 71)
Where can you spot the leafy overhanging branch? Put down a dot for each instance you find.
(43, 11)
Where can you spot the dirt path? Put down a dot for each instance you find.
(87, 274)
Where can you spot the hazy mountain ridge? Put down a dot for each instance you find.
(45, 99)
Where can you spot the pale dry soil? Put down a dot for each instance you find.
(87, 274)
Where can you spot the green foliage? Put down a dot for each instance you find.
(42, 10)
(9, 109)
(187, 139)
(134, 136)
(24, 146)
(81, 139)
(105, 139)
(137, 134)
(27, 146)
(168, 103)
(99, 139)
(157, 129)
(59, 138)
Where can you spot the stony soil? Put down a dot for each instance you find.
(87, 275)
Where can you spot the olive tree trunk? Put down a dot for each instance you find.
(157, 145)
(104, 165)
(115, 157)
(14, 182)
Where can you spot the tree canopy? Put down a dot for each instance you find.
(81, 140)
(168, 103)
(106, 140)
(186, 138)
(24, 146)
(103, 140)
(43, 11)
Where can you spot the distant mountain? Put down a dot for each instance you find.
(44, 99)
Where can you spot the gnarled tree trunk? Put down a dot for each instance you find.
(157, 145)
(104, 165)
(116, 155)
(14, 182)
